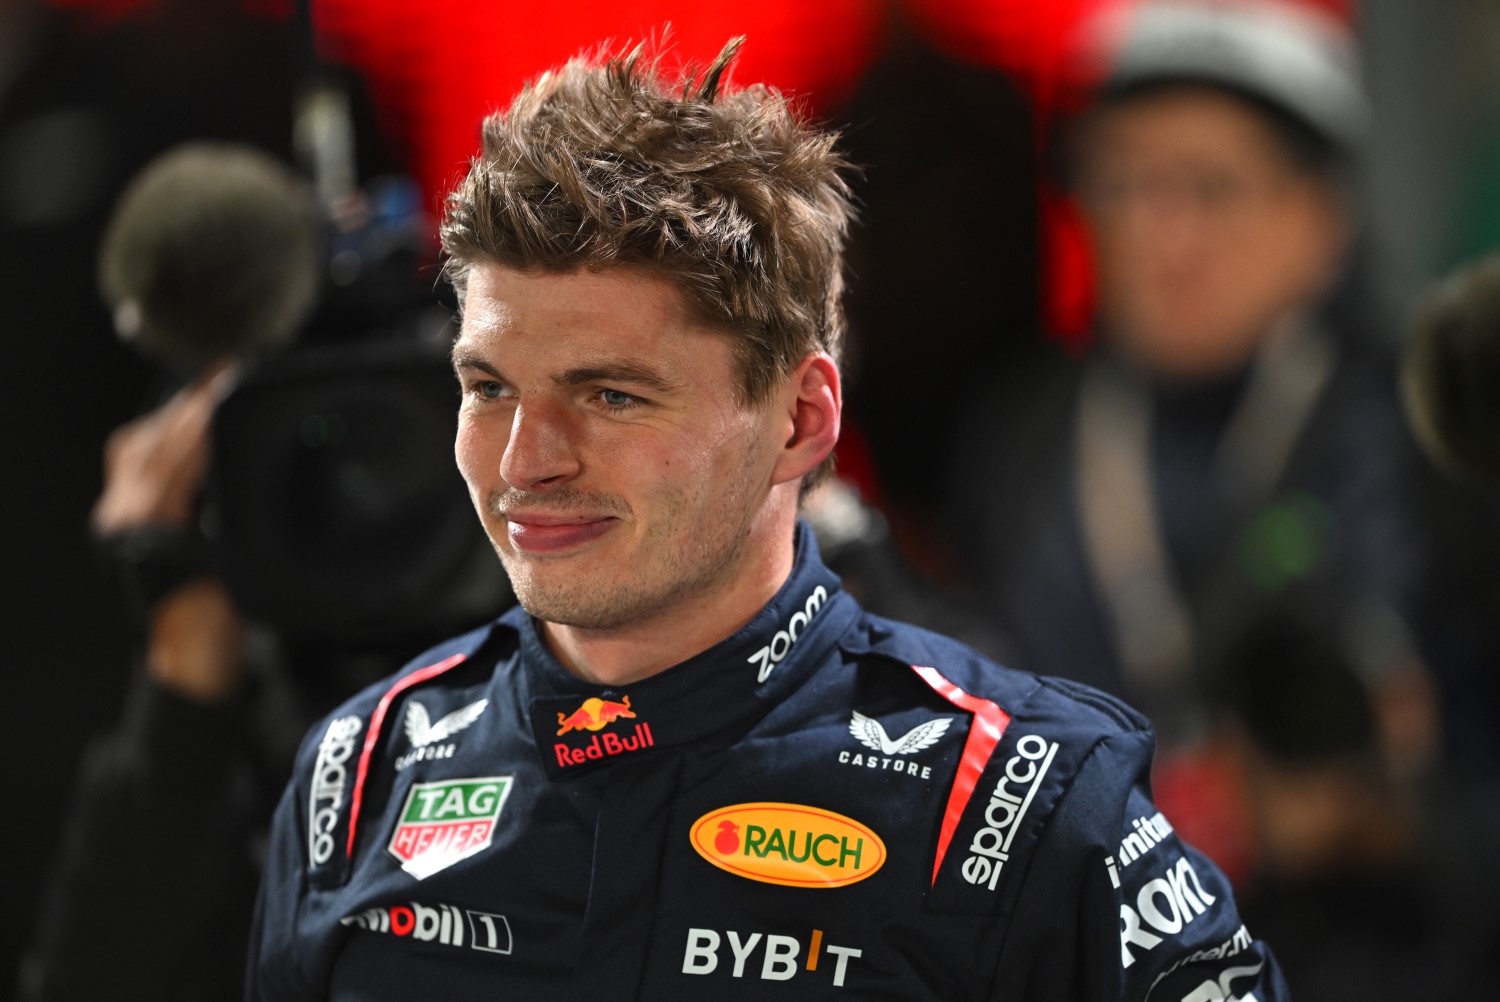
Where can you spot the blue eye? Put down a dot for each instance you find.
(490, 389)
(616, 398)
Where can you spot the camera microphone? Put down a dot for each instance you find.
(211, 252)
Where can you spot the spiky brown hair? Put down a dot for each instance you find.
(730, 194)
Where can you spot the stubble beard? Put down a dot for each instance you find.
(674, 561)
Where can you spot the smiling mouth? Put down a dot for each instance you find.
(549, 534)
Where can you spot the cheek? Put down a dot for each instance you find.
(476, 452)
(706, 461)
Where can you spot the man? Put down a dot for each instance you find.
(1229, 433)
(692, 766)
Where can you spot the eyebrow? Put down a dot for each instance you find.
(616, 370)
(621, 370)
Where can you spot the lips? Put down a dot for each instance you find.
(555, 533)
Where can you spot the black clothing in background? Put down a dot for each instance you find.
(1013, 491)
(944, 263)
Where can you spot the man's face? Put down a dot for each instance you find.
(604, 445)
(1206, 234)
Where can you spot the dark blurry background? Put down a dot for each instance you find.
(964, 252)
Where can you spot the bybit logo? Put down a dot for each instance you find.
(779, 954)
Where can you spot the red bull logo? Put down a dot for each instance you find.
(595, 714)
(593, 717)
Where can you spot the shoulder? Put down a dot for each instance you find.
(1034, 745)
(430, 664)
(1024, 697)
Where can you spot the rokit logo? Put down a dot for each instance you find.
(1164, 906)
(1148, 834)
(424, 735)
(445, 924)
(871, 733)
(768, 657)
(780, 956)
(1023, 775)
(329, 780)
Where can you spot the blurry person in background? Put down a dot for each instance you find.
(1228, 434)
(1451, 388)
(218, 496)
(210, 255)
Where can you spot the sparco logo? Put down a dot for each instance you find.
(330, 776)
(768, 657)
(991, 844)
(1164, 905)
(437, 924)
(779, 954)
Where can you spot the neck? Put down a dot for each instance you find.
(685, 627)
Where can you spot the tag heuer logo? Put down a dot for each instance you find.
(447, 821)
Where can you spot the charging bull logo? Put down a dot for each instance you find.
(593, 715)
(594, 718)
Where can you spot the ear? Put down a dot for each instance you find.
(812, 401)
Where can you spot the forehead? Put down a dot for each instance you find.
(572, 318)
(612, 300)
(1201, 123)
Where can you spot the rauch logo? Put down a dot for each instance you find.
(789, 844)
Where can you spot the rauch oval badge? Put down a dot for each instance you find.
(789, 844)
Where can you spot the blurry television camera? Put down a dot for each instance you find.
(333, 510)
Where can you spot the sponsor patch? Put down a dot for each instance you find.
(330, 781)
(446, 821)
(424, 734)
(788, 844)
(1164, 906)
(888, 753)
(772, 956)
(1148, 834)
(772, 654)
(445, 924)
(595, 714)
(990, 847)
(591, 733)
(1219, 989)
(1234, 945)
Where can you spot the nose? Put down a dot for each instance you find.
(541, 454)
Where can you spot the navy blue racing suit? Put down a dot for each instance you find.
(825, 805)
